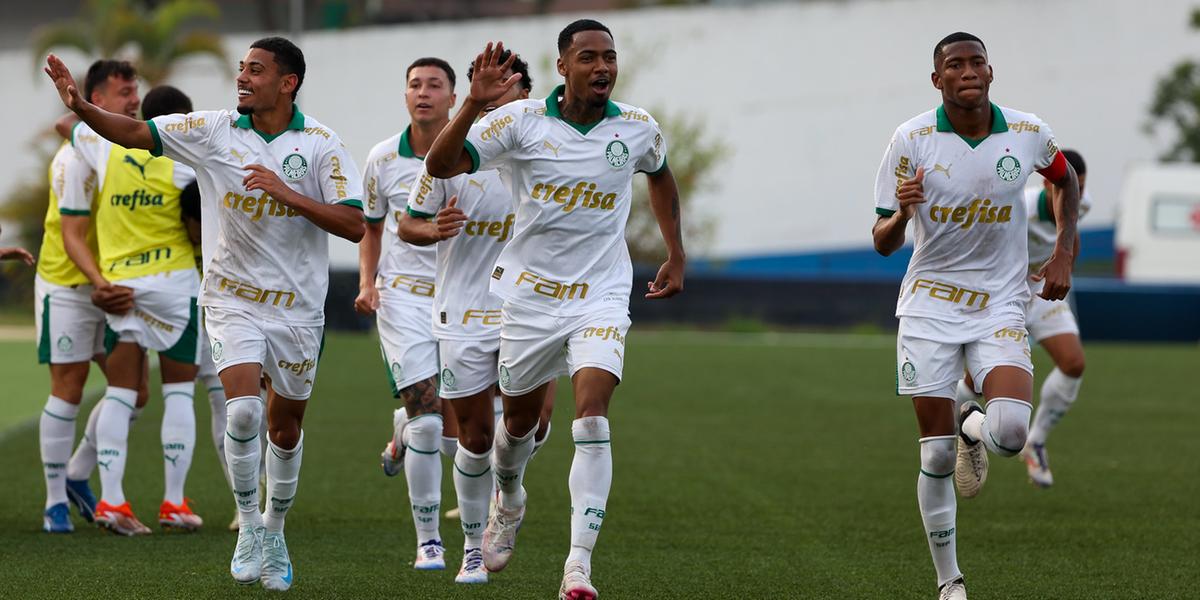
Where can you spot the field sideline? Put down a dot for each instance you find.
(747, 466)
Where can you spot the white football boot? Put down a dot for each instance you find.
(472, 570)
(431, 556)
(392, 458)
(500, 535)
(576, 584)
(955, 590)
(971, 465)
(276, 564)
(246, 566)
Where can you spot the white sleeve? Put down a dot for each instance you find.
(192, 138)
(897, 165)
(655, 157)
(494, 136)
(1047, 147)
(427, 197)
(338, 176)
(183, 175)
(374, 207)
(92, 149)
(74, 184)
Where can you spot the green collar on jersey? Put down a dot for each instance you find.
(999, 125)
(405, 148)
(610, 110)
(297, 123)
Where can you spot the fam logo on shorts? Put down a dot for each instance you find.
(1008, 167)
(504, 376)
(617, 153)
(447, 379)
(908, 371)
(397, 372)
(295, 167)
(218, 350)
(65, 343)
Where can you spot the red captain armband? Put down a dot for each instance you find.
(1057, 169)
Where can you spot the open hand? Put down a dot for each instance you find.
(64, 82)
(488, 82)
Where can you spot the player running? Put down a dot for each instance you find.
(1051, 324)
(264, 287)
(565, 276)
(399, 290)
(957, 173)
(472, 218)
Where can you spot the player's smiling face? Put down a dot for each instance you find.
(260, 82)
(963, 74)
(589, 65)
(117, 95)
(429, 95)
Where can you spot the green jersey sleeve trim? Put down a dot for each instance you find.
(74, 128)
(157, 150)
(418, 214)
(375, 219)
(355, 202)
(884, 212)
(474, 155)
(660, 169)
(74, 213)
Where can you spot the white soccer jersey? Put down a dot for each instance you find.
(268, 261)
(970, 251)
(463, 307)
(1042, 230)
(573, 193)
(406, 271)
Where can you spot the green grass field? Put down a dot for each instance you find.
(747, 466)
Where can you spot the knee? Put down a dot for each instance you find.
(474, 439)
(1073, 366)
(937, 455)
(285, 436)
(244, 415)
(424, 433)
(1008, 425)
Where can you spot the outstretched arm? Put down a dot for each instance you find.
(448, 156)
(664, 201)
(119, 129)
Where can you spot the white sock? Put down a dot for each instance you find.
(56, 431)
(423, 469)
(510, 455)
(473, 486)
(1058, 393)
(449, 446)
(1005, 427)
(538, 443)
(112, 442)
(963, 394)
(590, 480)
(935, 497)
(243, 453)
(283, 474)
(178, 437)
(216, 402)
(83, 462)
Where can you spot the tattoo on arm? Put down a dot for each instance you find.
(421, 398)
(675, 216)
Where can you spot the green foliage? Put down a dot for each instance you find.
(1176, 104)
(108, 26)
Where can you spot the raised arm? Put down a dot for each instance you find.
(448, 156)
(664, 201)
(119, 129)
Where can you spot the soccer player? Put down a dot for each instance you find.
(265, 285)
(1051, 324)
(565, 278)
(70, 328)
(144, 247)
(957, 173)
(468, 219)
(399, 290)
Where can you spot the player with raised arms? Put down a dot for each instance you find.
(277, 181)
(958, 174)
(565, 278)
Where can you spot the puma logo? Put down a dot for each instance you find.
(104, 463)
(946, 170)
(476, 184)
(140, 166)
(547, 145)
(238, 155)
(172, 459)
(619, 357)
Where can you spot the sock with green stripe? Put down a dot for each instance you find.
(935, 497)
(83, 461)
(56, 431)
(243, 453)
(423, 469)
(589, 482)
(473, 487)
(178, 437)
(283, 475)
(216, 402)
(112, 442)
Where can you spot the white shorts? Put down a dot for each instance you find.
(468, 366)
(536, 347)
(288, 353)
(164, 317)
(70, 329)
(410, 352)
(1048, 318)
(207, 368)
(930, 357)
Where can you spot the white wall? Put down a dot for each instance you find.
(806, 95)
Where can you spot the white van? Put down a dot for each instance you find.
(1158, 224)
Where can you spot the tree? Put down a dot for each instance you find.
(1177, 102)
(106, 27)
